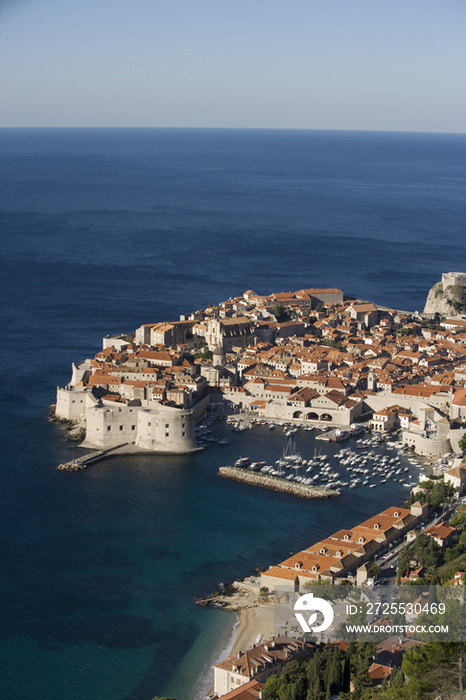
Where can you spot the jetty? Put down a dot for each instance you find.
(336, 435)
(91, 458)
(277, 484)
(125, 449)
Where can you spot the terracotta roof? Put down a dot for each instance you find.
(248, 691)
(377, 672)
(261, 656)
(459, 398)
(307, 561)
(280, 572)
(440, 531)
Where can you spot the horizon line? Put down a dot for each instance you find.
(240, 128)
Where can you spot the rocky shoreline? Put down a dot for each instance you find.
(76, 430)
(446, 300)
(272, 482)
(237, 596)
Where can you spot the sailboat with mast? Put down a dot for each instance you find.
(290, 452)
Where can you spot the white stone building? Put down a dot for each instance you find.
(259, 662)
(112, 420)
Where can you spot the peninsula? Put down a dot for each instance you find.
(310, 356)
(448, 297)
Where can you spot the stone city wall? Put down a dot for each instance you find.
(451, 279)
(426, 447)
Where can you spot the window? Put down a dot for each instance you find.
(183, 434)
(167, 434)
(109, 427)
(167, 425)
(133, 427)
(121, 427)
(183, 425)
(149, 423)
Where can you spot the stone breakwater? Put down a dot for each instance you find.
(71, 467)
(272, 482)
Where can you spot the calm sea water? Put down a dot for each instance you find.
(104, 229)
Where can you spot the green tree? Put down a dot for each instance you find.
(264, 593)
(279, 312)
(404, 558)
(462, 443)
(435, 668)
(360, 662)
(272, 688)
(459, 519)
(333, 343)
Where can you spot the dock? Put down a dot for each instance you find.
(86, 460)
(276, 483)
(336, 435)
(125, 449)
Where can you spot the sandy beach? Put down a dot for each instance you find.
(252, 622)
(254, 618)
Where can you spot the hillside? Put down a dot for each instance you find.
(446, 299)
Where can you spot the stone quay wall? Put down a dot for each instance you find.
(271, 482)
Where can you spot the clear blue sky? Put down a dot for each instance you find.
(317, 64)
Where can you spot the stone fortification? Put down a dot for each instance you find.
(452, 279)
(448, 297)
(427, 447)
(159, 429)
(326, 363)
(108, 424)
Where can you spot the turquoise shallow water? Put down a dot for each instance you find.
(103, 230)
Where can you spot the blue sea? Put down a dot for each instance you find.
(105, 229)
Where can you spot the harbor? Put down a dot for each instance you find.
(277, 484)
(284, 454)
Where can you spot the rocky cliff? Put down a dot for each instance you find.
(446, 300)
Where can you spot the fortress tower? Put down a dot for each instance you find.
(452, 279)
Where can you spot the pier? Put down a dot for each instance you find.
(124, 449)
(277, 484)
(333, 436)
(85, 461)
